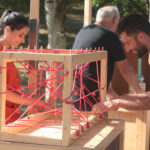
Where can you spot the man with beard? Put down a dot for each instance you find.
(135, 34)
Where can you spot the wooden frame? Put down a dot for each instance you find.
(15, 135)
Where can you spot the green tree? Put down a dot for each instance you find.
(125, 6)
(56, 11)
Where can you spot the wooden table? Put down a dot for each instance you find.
(98, 137)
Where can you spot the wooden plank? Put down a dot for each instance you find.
(67, 108)
(77, 58)
(87, 12)
(39, 116)
(34, 8)
(25, 146)
(29, 139)
(89, 57)
(33, 56)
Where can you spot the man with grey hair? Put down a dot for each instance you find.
(102, 34)
(107, 12)
(105, 15)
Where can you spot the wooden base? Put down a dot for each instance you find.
(98, 137)
(136, 128)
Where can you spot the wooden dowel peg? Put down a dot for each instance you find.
(70, 51)
(76, 50)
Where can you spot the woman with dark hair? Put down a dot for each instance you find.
(13, 29)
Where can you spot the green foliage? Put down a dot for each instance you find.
(22, 6)
(125, 6)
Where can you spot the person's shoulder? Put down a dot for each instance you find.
(114, 36)
(95, 26)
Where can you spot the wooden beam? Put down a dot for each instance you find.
(87, 12)
(34, 8)
(29, 139)
(13, 128)
(33, 38)
(103, 80)
(89, 57)
(2, 89)
(77, 58)
(67, 108)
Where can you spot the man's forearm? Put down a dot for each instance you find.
(129, 101)
(133, 102)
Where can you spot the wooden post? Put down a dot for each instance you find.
(121, 141)
(2, 96)
(33, 38)
(103, 83)
(87, 12)
(34, 8)
(67, 108)
(34, 23)
(142, 123)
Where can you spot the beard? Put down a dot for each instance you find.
(140, 49)
(142, 52)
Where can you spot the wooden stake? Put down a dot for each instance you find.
(76, 50)
(21, 47)
(41, 47)
(70, 51)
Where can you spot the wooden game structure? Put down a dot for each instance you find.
(97, 135)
